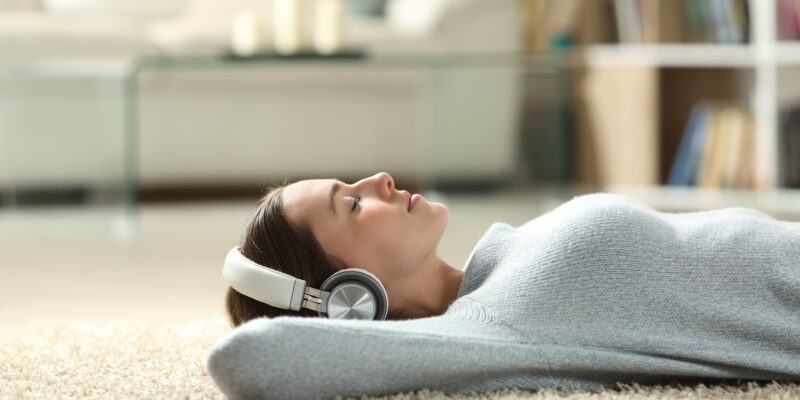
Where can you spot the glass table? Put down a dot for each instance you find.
(73, 125)
(67, 159)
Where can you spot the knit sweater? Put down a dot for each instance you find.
(603, 289)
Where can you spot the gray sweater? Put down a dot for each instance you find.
(602, 289)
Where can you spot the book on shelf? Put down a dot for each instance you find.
(552, 23)
(648, 21)
(716, 150)
(726, 21)
(658, 21)
(687, 161)
(789, 145)
(628, 21)
(789, 19)
(618, 141)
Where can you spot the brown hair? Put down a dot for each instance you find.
(270, 240)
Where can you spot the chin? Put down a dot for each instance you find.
(442, 215)
(439, 208)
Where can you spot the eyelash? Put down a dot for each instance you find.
(355, 202)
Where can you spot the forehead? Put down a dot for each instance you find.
(306, 200)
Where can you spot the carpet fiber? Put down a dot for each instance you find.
(124, 359)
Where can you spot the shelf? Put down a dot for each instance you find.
(686, 55)
(787, 53)
(779, 203)
(672, 55)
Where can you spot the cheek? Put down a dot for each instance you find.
(383, 229)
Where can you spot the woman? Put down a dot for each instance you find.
(603, 289)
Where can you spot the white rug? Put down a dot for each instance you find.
(124, 359)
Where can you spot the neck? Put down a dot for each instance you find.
(429, 292)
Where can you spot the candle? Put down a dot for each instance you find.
(329, 26)
(289, 31)
(248, 36)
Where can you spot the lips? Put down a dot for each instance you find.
(408, 203)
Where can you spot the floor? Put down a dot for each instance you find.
(79, 264)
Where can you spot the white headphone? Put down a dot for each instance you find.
(352, 293)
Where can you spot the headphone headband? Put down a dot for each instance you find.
(262, 283)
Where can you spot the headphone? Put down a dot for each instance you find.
(351, 293)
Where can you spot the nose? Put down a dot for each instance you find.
(383, 183)
(386, 180)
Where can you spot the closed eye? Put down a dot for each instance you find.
(355, 203)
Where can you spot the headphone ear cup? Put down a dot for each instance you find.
(350, 285)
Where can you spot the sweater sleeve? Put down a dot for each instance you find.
(294, 358)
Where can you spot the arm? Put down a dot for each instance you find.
(292, 358)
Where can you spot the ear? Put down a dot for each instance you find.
(338, 262)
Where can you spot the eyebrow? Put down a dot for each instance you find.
(334, 188)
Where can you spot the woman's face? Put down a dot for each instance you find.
(380, 234)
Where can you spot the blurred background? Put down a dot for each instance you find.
(137, 135)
